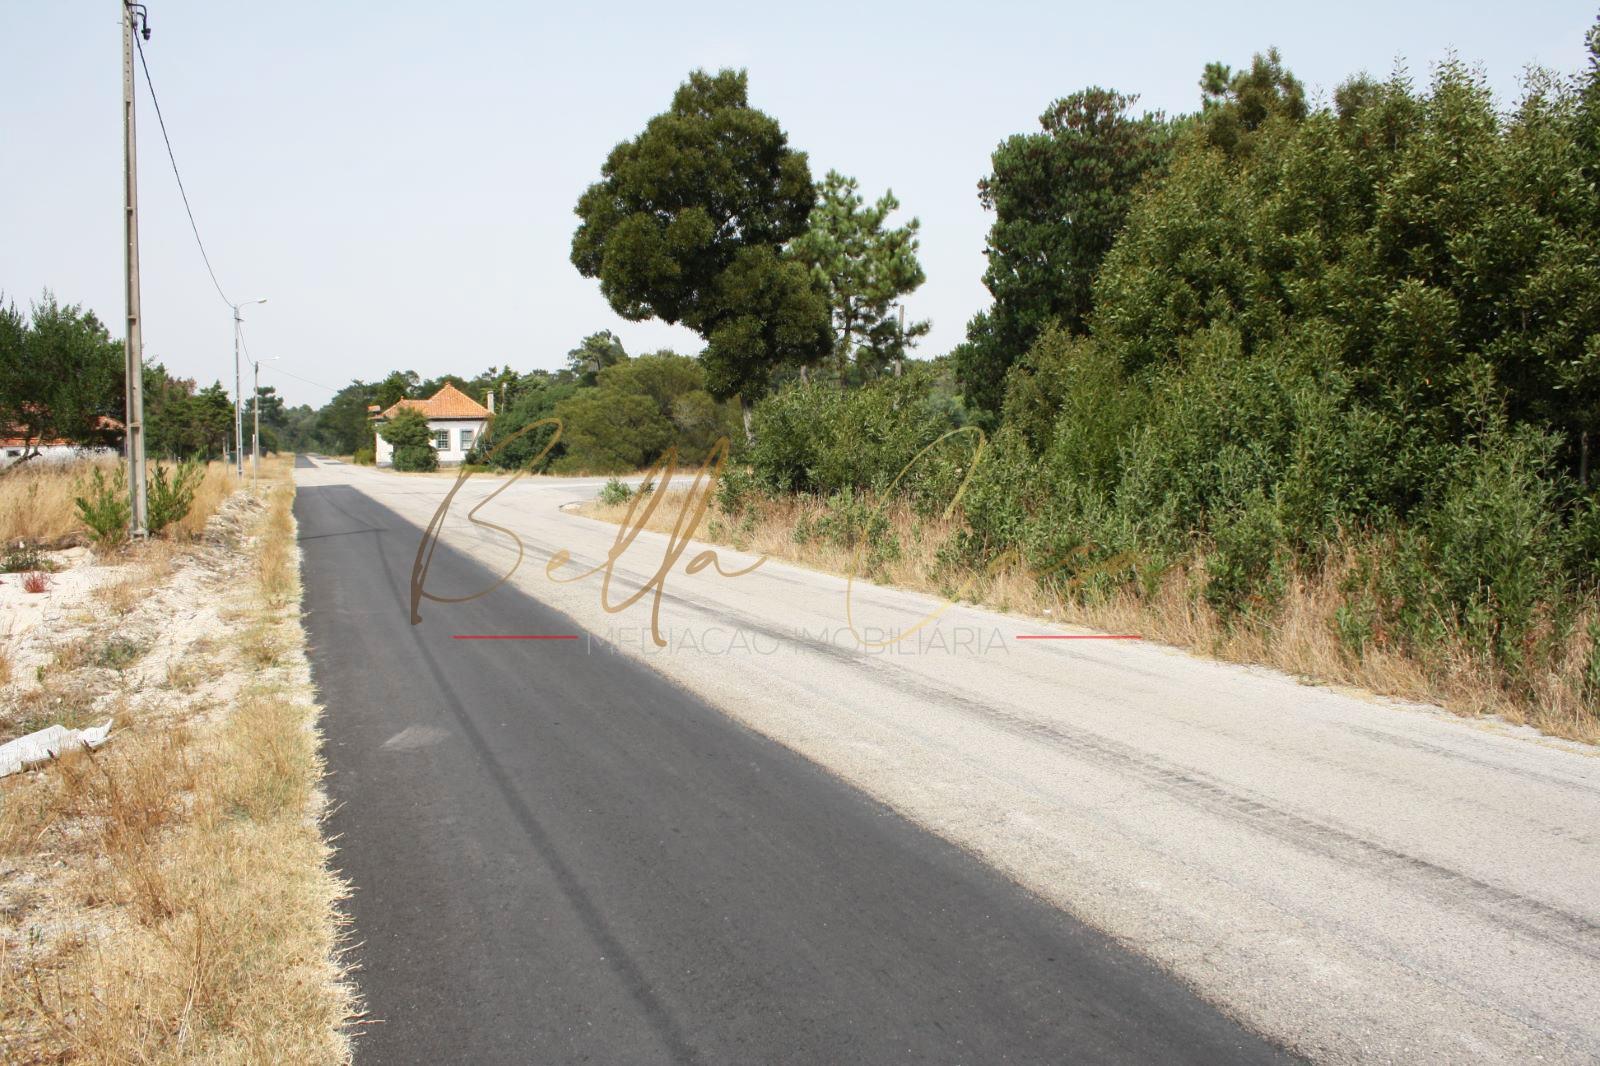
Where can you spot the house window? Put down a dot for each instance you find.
(466, 440)
(441, 440)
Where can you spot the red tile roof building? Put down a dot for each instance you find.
(446, 404)
(455, 422)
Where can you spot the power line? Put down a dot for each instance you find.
(297, 377)
(151, 86)
(280, 370)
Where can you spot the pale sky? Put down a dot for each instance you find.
(398, 178)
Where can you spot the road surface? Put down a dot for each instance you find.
(763, 843)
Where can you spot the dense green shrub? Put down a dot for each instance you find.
(615, 492)
(735, 489)
(103, 507)
(171, 493)
(416, 458)
(509, 444)
(636, 410)
(1485, 551)
(821, 438)
(408, 433)
(611, 432)
(1373, 322)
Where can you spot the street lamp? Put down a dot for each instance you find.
(238, 389)
(255, 433)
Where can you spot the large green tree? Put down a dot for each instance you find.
(676, 384)
(689, 223)
(1235, 104)
(182, 423)
(611, 432)
(396, 387)
(594, 354)
(863, 266)
(1060, 197)
(60, 374)
(344, 424)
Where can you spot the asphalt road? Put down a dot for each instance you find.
(1358, 880)
(561, 855)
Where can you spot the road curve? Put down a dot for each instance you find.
(566, 857)
(1354, 879)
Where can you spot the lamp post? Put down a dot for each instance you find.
(255, 432)
(238, 389)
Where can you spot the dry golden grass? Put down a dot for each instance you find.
(275, 562)
(768, 528)
(213, 892)
(183, 676)
(36, 500)
(181, 869)
(1298, 635)
(218, 483)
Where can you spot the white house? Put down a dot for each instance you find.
(16, 446)
(455, 419)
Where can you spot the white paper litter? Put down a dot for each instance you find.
(24, 753)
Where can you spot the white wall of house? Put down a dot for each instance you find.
(51, 453)
(456, 435)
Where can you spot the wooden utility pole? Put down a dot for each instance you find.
(133, 434)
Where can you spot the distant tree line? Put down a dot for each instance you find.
(62, 377)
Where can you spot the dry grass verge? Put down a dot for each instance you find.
(1299, 635)
(168, 898)
(36, 499)
(217, 485)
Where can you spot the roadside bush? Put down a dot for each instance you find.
(103, 507)
(1591, 670)
(21, 558)
(821, 438)
(735, 489)
(1484, 554)
(416, 458)
(365, 456)
(615, 492)
(170, 498)
(850, 519)
(676, 384)
(791, 431)
(1246, 568)
(407, 432)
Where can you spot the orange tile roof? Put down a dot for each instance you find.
(448, 402)
(11, 436)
